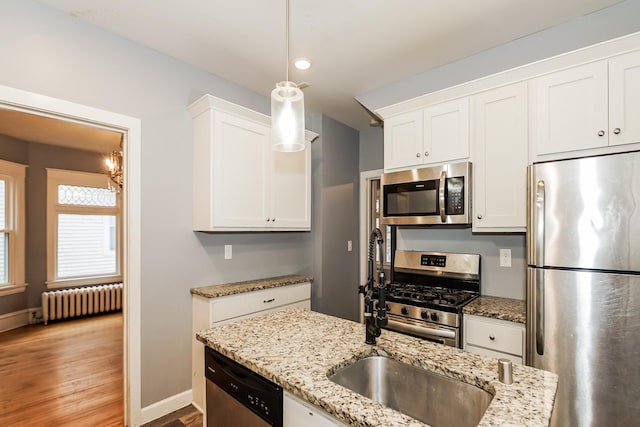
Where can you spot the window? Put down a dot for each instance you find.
(12, 232)
(83, 229)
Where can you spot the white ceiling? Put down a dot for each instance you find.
(356, 45)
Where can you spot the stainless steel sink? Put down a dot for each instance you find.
(426, 396)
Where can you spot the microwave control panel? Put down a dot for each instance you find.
(455, 196)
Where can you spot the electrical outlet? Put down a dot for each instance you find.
(505, 257)
(228, 252)
(349, 245)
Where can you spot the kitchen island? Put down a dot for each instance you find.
(298, 349)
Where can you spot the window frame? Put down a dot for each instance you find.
(14, 175)
(56, 177)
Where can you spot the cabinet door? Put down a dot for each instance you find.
(241, 172)
(624, 99)
(446, 131)
(297, 413)
(571, 109)
(291, 189)
(499, 152)
(403, 140)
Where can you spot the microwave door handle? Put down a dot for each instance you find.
(441, 194)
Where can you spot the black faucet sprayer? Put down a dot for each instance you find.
(375, 306)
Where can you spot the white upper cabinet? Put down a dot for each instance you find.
(588, 107)
(239, 183)
(446, 131)
(499, 152)
(436, 134)
(624, 99)
(403, 140)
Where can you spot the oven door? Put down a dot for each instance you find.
(425, 330)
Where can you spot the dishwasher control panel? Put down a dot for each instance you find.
(253, 391)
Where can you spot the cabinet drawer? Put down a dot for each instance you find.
(504, 337)
(251, 302)
(495, 354)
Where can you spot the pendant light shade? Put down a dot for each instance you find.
(287, 117)
(287, 111)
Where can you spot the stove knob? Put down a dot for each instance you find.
(424, 315)
(434, 317)
(404, 311)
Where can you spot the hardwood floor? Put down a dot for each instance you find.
(67, 373)
(188, 416)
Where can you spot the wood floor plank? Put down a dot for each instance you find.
(67, 373)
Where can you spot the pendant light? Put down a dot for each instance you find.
(287, 111)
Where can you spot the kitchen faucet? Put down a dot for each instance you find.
(375, 306)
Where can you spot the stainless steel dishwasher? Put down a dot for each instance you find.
(237, 396)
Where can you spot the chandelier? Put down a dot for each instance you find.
(115, 170)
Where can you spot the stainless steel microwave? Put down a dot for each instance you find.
(437, 195)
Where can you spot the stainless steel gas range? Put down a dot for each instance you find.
(428, 291)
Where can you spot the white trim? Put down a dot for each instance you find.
(19, 100)
(166, 406)
(12, 289)
(14, 175)
(365, 178)
(14, 320)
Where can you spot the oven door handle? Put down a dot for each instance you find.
(421, 330)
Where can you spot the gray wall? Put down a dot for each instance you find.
(371, 149)
(335, 184)
(615, 21)
(57, 55)
(496, 280)
(39, 157)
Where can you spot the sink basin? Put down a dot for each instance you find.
(426, 396)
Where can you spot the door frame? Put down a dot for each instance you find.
(365, 190)
(130, 127)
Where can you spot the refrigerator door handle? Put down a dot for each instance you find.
(441, 193)
(539, 225)
(539, 311)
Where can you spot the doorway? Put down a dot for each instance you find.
(43, 106)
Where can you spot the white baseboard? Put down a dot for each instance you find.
(15, 319)
(166, 406)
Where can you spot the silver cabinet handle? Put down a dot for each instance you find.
(426, 153)
(268, 219)
(273, 220)
(479, 217)
(617, 131)
(443, 180)
(417, 154)
(492, 338)
(269, 300)
(600, 133)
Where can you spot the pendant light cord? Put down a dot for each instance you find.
(287, 40)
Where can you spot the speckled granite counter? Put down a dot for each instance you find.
(217, 291)
(298, 348)
(513, 310)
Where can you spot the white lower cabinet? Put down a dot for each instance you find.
(298, 413)
(207, 312)
(494, 338)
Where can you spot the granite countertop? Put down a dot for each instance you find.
(513, 310)
(221, 290)
(297, 349)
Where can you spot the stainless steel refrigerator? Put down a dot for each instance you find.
(583, 286)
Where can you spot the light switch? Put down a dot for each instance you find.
(349, 245)
(505, 257)
(228, 253)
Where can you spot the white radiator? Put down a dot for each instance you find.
(76, 302)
